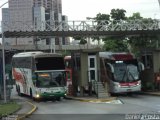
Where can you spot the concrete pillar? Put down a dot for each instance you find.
(81, 91)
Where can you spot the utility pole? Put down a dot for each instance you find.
(3, 63)
(3, 59)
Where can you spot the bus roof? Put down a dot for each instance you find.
(67, 57)
(116, 55)
(36, 54)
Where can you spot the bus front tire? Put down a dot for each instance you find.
(31, 96)
(58, 98)
(19, 91)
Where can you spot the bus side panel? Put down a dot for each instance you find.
(23, 79)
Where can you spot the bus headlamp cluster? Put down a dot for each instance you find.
(117, 85)
(37, 95)
(139, 83)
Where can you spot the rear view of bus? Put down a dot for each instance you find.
(39, 75)
(123, 72)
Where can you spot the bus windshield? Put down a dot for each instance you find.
(125, 72)
(50, 79)
(50, 63)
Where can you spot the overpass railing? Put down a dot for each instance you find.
(48, 47)
(102, 25)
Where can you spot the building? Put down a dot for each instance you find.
(39, 18)
(53, 12)
(32, 12)
(19, 12)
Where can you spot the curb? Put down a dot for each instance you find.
(153, 94)
(29, 113)
(91, 100)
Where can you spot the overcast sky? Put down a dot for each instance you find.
(80, 9)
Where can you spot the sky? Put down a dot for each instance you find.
(80, 9)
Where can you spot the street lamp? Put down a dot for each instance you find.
(3, 59)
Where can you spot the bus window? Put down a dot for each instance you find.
(51, 79)
(43, 80)
(54, 63)
(68, 64)
(109, 71)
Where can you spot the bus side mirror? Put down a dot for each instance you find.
(111, 67)
(34, 78)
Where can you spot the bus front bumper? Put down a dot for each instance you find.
(50, 95)
(126, 89)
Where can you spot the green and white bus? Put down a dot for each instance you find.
(39, 75)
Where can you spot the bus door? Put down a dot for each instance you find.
(92, 68)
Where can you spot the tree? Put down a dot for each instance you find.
(144, 40)
(113, 43)
(116, 43)
(135, 16)
(82, 40)
(100, 17)
(118, 14)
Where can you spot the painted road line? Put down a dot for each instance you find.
(108, 102)
(93, 100)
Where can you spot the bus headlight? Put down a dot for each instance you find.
(117, 85)
(37, 95)
(139, 83)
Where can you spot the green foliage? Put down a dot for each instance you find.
(127, 43)
(135, 16)
(115, 45)
(118, 14)
(82, 40)
(8, 108)
(102, 17)
(144, 41)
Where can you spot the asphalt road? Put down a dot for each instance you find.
(76, 110)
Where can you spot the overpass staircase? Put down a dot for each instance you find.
(101, 90)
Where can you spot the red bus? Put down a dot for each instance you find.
(68, 68)
(121, 71)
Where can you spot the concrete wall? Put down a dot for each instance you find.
(156, 61)
(84, 69)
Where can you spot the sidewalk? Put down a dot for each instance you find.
(27, 108)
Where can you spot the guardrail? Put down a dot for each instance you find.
(48, 47)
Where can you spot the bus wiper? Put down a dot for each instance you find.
(132, 76)
(124, 75)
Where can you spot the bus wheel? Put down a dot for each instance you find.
(58, 98)
(18, 90)
(31, 96)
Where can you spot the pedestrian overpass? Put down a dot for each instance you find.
(88, 28)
